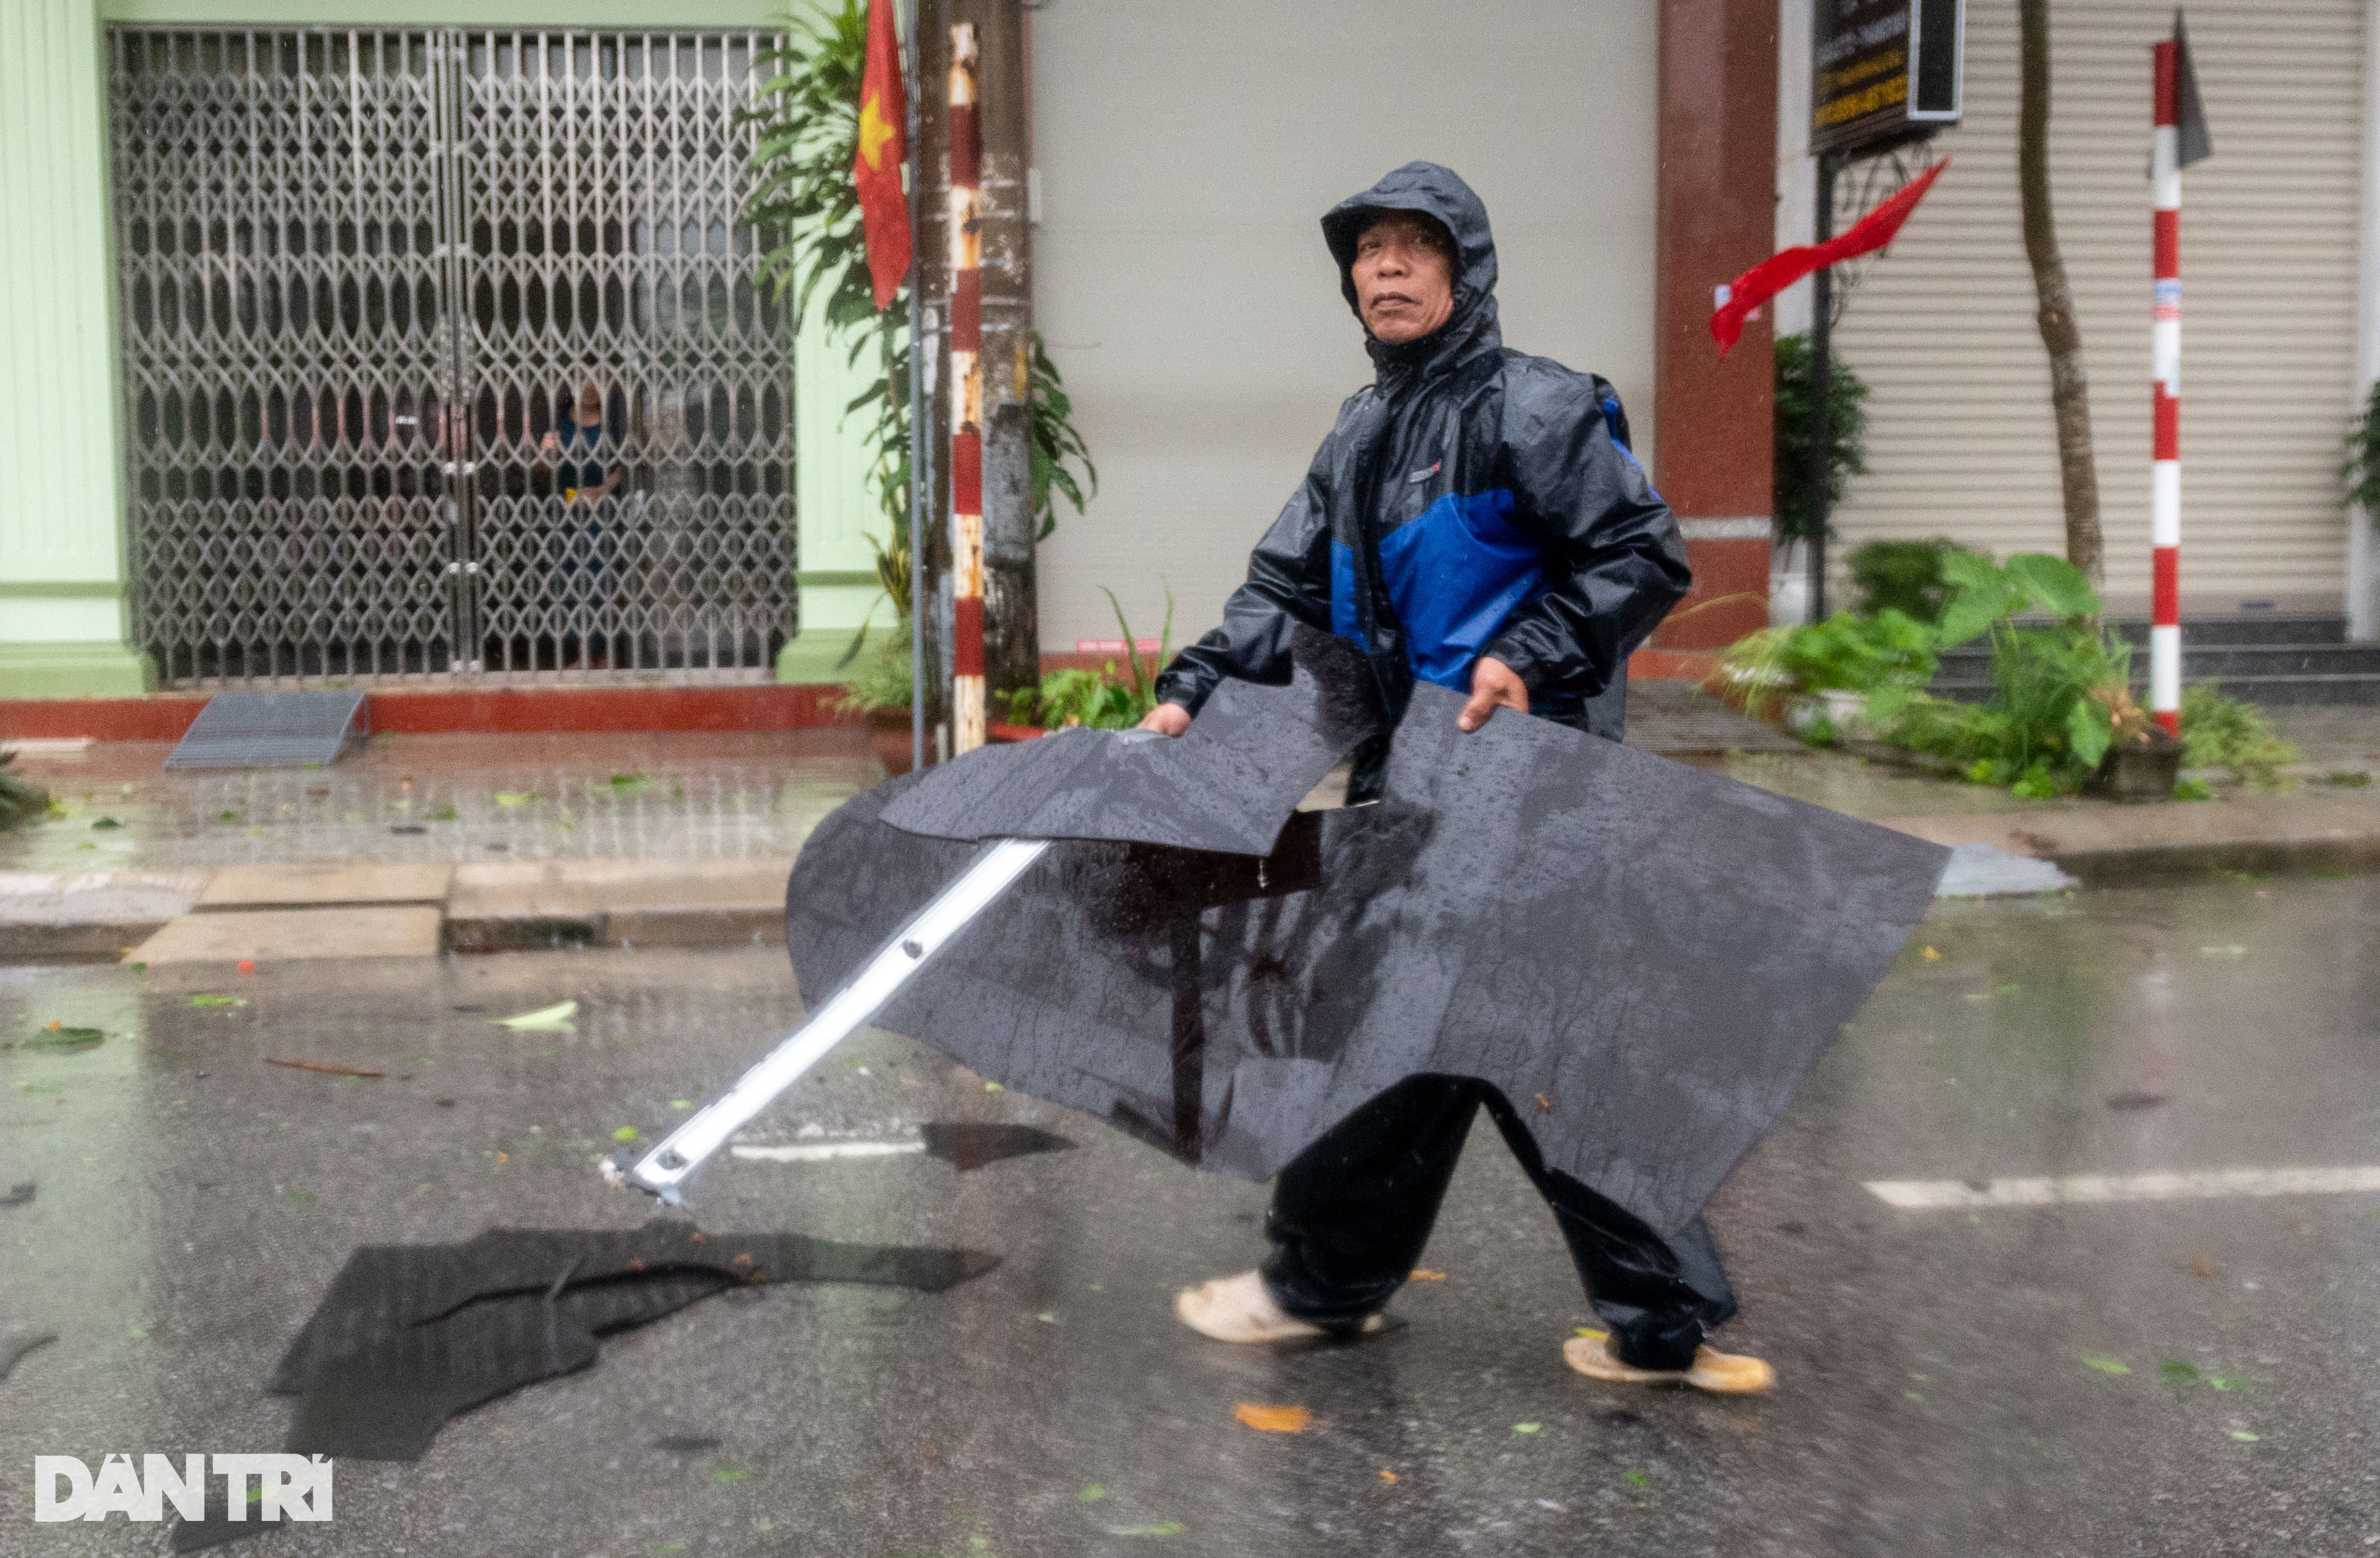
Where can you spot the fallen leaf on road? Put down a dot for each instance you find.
(557, 1016)
(1932, 956)
(107, 822)
(1420, 1275)
(514, 797)
(324, 1066)
(1161, 1528)
(2229, 1382)
(1636, 1479)
(1528, 1427)
(2177, 1373)
(1092, 1494)
(1273, 1419)
(1386, 1476)
(2232, 951)
(729, 1474)
(2104, 1364)
(67, 1039)
(1545, 1105)
(2245, 1437)
(219, 1000)
(626, 1133)
(2202, 1266)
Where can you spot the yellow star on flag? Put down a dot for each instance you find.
(874, 129)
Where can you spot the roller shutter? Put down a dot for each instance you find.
(1962, 441)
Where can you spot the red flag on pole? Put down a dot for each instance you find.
(876, 167)
(1781, 270)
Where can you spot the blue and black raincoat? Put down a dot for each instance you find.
(1471, 500)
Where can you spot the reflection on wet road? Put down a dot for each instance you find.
(1991, 1375)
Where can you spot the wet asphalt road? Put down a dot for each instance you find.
(193, 1202)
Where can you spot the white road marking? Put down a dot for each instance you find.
(819, 1151)
(1939, 1195)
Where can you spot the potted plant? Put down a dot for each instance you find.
(2143, 762)
(880, 692)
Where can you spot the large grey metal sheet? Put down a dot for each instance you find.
(1643, 957)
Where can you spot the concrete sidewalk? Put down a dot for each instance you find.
(306, 911)
(316, 910)
(687, 840)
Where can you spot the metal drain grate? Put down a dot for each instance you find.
(271, 730)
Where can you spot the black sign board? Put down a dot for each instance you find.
(1883, 71)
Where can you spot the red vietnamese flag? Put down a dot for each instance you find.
(876, 167)
(1781, 270)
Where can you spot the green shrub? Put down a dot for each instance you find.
(882, 678)
(2223, 732)
(2061, 695)
(1903, 577)
(20, 799)
(1797, 516)
(1098, 698)
(1845, 652)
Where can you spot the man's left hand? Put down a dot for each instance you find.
(1494, 685)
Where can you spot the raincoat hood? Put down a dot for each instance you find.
(1441, 194)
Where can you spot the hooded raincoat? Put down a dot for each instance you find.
(1471, 500)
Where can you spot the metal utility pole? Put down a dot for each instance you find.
(1011, 637)
(1821, 457)
(921, 483)
(929, 431)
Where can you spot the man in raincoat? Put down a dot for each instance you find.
(1475, 519)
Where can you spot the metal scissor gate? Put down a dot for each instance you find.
(366, 273)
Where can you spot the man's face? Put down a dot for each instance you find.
(1405, 278)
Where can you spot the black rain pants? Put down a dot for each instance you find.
(1351, 1215)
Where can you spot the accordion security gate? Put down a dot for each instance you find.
(375, 286)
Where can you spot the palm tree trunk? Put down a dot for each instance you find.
(2069, 390)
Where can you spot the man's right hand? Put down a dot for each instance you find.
(1167, 720)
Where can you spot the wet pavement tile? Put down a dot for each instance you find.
(458, 798)
(2192, 1375)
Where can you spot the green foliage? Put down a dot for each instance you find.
(1903, 577)
(1057, 443)
(807, 211)
(803, 198)
(20, 799)
(2362, 472)
(2223, 732)
(1845, 652)
(883, 679)
(1098, 698)
(2062, 692)
(1985, 593)
(2062, 700)
(1847, 450)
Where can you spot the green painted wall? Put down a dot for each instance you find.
(61, 527)
(62, 566)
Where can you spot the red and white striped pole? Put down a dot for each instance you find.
(2165, 367)
(967, 716)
